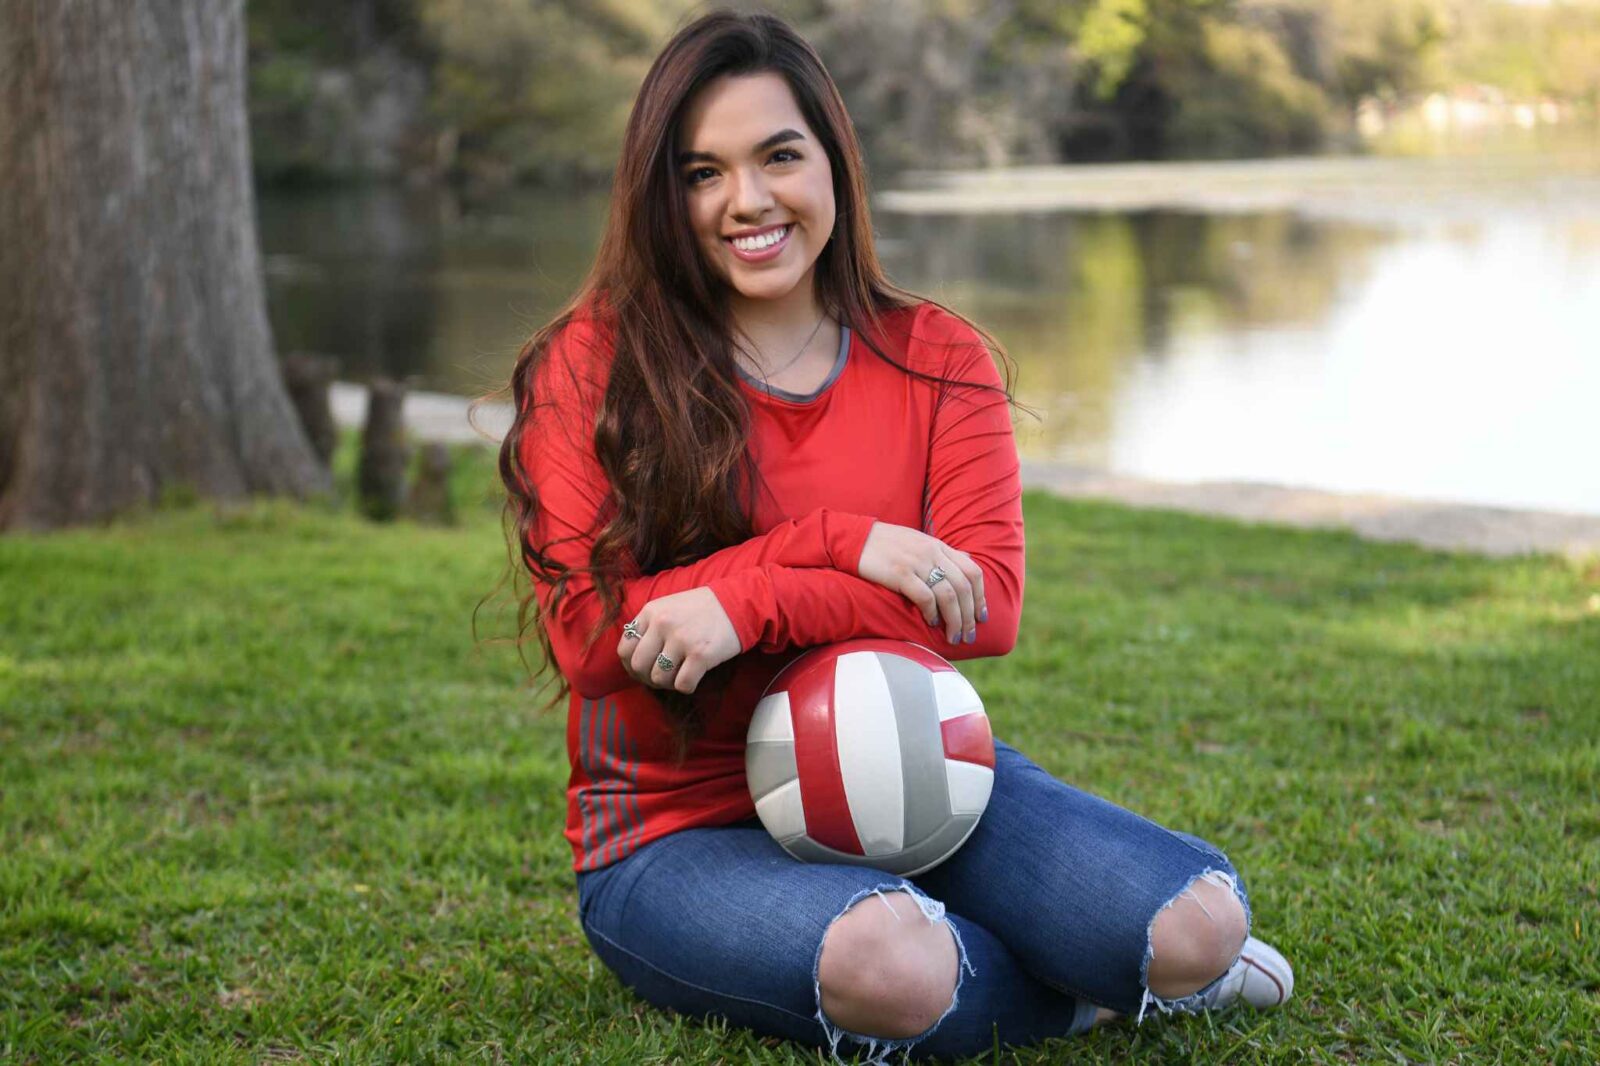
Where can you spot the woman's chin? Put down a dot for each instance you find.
(763, 289)
(765, 285)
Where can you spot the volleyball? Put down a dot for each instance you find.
(871, 752)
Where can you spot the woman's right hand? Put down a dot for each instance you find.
(900, 558)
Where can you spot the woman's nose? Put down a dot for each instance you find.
(750, 195)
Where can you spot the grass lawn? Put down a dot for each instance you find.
(263, 797)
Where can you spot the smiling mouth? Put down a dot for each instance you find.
(762, 247)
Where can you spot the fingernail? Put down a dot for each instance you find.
(983, 615)
(952, 640)
(972, 638)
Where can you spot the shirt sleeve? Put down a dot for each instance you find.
(974, 504)
(556, 454)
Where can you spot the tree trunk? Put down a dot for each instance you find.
(135, 351)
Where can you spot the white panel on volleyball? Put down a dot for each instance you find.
(868, 737)
(970, 784)
(954, 695)
(782, 813)
(772, 719)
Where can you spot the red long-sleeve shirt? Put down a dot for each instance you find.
(874, 444)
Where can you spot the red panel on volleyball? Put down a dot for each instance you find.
(967, 739)
(816, 757)
(917, 653)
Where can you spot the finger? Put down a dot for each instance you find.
(661, 678)
(958, 579)
(949, 610)
(644, 655)
(686, 678)
(974, 572)
(917, 591)
(626, 644)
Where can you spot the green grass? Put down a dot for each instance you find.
(263, 797)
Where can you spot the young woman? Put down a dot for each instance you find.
(740, 440)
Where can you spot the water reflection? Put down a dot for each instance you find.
(421, 283)
(1453, 358)
(1079, 299)
(353, 275)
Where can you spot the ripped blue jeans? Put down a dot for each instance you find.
(1050, 900)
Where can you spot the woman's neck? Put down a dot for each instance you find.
(776, 330)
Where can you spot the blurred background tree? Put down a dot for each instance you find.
(538, 90)
(338, 91)
(136, 359)
(507, 68)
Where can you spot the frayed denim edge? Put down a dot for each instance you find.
(878, 1048)
(1199, 1000)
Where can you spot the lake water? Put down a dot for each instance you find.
(1419, 328)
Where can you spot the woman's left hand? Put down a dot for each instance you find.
(691, 628)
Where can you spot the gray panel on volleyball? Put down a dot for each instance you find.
(919, 858)
(770, 763)
(927, 792)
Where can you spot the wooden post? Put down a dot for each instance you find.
(309, 378)
(430, 500)
(381, 477)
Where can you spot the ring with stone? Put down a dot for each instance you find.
(631, 629)
(935, 576)
(664, 662)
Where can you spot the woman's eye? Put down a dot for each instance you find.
(693, 177)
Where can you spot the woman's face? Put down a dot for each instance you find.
(751, 166)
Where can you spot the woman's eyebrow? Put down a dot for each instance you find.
(781, 137)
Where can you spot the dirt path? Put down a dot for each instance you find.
(1450, 526)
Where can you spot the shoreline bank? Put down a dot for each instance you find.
(1362, 189)
(1365, 189)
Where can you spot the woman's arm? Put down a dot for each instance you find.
(557, 456)
(974, 504)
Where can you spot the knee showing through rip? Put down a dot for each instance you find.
(886, 970)
(1196, 938)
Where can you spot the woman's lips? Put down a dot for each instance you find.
(761, 255)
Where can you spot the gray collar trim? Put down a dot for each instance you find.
(795, 397)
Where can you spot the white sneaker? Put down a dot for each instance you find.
(1262, 978)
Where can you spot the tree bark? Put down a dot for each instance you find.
(135, 351)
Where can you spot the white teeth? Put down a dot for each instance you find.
(755, 244)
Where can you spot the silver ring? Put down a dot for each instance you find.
(664, 662)
(935, 576)
(631, 629)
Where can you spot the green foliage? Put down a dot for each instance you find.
(1234, 91)
(332, 87)
(511, 89)
(329, 34)
(1539, 51)
(282, 101)
(540, 89)
(1109, 36)
(266, 799)
(1398, 56)
(1360, 48)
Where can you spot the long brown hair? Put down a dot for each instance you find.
(673, 427)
